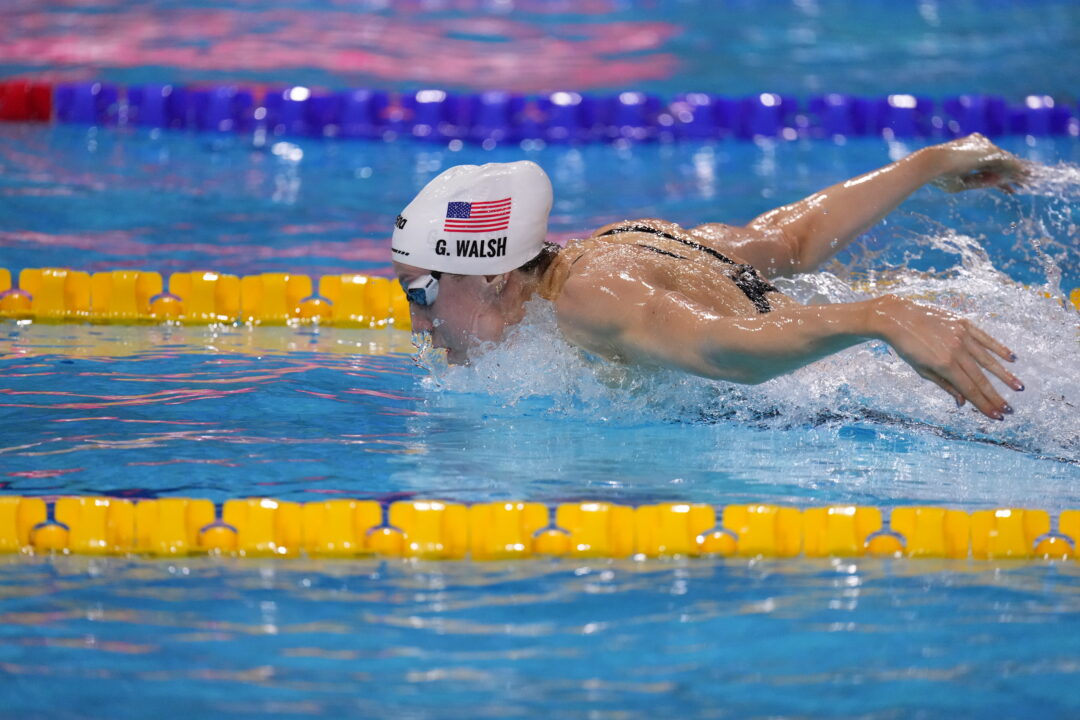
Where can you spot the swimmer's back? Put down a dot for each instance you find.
(667, 257)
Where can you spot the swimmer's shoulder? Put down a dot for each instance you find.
(591, 304)
(624, 238)
(593, 269)
(602, 252)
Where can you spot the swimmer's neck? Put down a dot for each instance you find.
(521, 287)
(549, 284)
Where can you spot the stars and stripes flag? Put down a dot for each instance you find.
(477, 217)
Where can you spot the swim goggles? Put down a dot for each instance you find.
(424, 289)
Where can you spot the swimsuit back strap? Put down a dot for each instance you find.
(689, 243)
(746, 278)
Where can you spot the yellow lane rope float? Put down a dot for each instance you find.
(132, 296)
(199, 298)
(439, 530)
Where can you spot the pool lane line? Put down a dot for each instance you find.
(506, 530)
(62, 295)
(498, 118)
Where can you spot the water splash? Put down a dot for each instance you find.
(429, 358)
(866, 383)
(1061, 181)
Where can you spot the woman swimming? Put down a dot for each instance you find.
(470, 251)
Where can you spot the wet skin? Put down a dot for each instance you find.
(624, 302)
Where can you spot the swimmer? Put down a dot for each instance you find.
(470, 251)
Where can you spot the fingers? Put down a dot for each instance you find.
(1015, 174)
(990, 363)
(999, 170)
(967, 373)
(963, 380)
(978, 389)
(986, 340)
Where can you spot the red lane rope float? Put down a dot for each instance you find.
(22, 101)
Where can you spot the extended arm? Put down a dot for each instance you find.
(801, 236)
(633, 321)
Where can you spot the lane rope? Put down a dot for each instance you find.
(61, 295)
(506, 530)
(494, 117)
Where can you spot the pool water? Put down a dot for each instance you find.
(309, 414)
(294, 412)
(305, 414)
(881, 639)
(735, 47)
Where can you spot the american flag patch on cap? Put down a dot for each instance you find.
(477, 217)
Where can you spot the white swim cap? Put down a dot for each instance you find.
(476, 219)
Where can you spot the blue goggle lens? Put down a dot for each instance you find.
(424, 289)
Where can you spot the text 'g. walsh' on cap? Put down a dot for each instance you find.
(476, 219)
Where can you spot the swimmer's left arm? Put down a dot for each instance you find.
(801, 236)
(633, 319)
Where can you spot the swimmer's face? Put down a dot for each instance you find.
(465, 312)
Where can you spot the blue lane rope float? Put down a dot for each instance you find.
(495, 117)
(507, 530)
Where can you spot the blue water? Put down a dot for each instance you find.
(103, 199)
(304, 415)
(637, 640)
(735, 47)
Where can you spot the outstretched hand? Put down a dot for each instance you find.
(974, 162)
(948, 350)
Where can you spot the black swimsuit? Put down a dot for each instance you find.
(745, 277)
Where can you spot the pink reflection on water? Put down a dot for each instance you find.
(36, 192)
(324, 396)
(124, 242)
(184, 461)
(178, 396)
(479, 51)
(41, 474)
(378, 393)
(218, 377)
(131, 420)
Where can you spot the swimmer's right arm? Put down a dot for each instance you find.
(631, 321)
(801, 236)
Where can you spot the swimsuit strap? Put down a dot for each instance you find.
(653, 231)
(661, 252)
(754, 286)
(746, 277)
